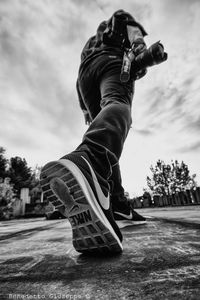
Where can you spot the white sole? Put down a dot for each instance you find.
(64, 184)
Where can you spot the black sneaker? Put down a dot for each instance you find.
(72, 182)
(125, 215)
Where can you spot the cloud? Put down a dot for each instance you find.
(191, 147)
(40, 46)
(172, 89)
(193, 125)
(144, 132)
(37, 86)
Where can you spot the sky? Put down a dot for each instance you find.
(40, 46)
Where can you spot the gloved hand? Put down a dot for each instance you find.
(87, 117)
(137, 50)
(140, 74)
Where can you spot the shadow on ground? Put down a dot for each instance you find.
(161, 260)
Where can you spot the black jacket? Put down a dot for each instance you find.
(96, 46)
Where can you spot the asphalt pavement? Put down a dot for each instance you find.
(161, 260)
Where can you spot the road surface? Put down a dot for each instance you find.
(161, 260)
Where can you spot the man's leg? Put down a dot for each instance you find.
(105, 137)
(80, 179)
(111, 91)
(117, 197)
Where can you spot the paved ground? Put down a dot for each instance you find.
(181, 214)
(161, 260)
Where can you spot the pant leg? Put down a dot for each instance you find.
(105, 137)
(116, 182)
(91, 98)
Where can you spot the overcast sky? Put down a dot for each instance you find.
(40, 46)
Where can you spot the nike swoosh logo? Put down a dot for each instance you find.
(129, 217)
(104, 201)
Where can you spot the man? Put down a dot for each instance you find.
(86, 183)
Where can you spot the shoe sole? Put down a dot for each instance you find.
(63, 183)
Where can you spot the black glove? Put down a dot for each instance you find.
(140, 74)
(87, 117)
(138, 49)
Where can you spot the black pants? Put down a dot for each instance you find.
(109, 103)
